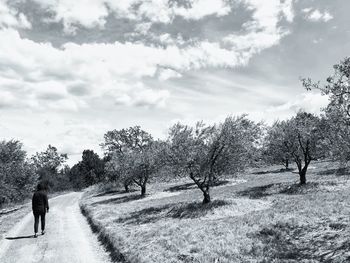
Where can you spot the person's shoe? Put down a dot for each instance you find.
(43, 232)
(35, 235)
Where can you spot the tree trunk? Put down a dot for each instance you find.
(143, 190)
(287, 164)
(206, 199)
(302, 175)
(126, 187)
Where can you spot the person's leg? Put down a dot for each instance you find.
(36, 222)
(43, 223)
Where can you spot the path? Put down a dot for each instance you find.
(68, 237)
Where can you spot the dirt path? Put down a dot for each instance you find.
(68, 237)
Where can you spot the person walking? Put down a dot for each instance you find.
(40, 205)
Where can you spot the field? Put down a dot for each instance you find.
(260, 216)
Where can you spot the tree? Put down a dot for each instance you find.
(145, 164)
(275, 151)
(205, 152)
(337, 88)
(301, 138)
(17, 176)
(131, 150)
(119, 168)
(337, 113)
(47, 164)
(89, 171)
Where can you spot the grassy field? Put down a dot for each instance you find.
(261, 216)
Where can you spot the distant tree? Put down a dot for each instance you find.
(131, 151)
(205, 152)
(119, 169)
(47, 164)
(275, 149)
(89, 171)
(302, 139)
(17, 176)
(145, 164)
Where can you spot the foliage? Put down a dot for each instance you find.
(133, 156)
(274, 149)
(205, 152)
(47, 164)
(337, 113)
(17, 176)
(301, 138)
(89, 171)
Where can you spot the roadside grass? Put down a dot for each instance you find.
(12, 217)
(267, 217)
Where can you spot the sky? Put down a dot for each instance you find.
(72, 70)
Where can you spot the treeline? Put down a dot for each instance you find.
(202, 152)
(19, 174)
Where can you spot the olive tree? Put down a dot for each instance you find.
(301, 137)
(134, 156)
(275, 150)
(206, 152)
(337, 113)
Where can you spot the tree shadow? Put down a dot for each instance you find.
(336, 171)
(257, 192)
(19, 237)
(179, 211)
(114, 192)
(282, 170)
(188, 186)
(298, 189)
(118, 200)
(282, 242)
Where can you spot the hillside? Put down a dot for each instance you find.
(260, 216)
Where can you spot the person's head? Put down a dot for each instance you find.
(40, 187)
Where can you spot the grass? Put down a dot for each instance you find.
(266, 218)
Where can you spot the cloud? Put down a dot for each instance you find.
(165, 74)
(93, 13)
(11, 18)
(316, 15)
(70, 76)
(263, 30)
(310, 102)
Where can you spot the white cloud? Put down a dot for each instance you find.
(310, 102)
(11, 18)
(316, 15)
(47, 74)
(262, 31)
(68, 77)
(93, 13)
(165, 74)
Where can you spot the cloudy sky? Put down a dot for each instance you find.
(72, 70)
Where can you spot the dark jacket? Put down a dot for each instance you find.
(40, 203)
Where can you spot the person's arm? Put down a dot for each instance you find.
(33, 202)
(47, 203)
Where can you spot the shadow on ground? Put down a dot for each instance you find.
(187, 186)
(275, 171)
(19, 237)
(180, 211)
(118, 200)
(114, 192)
(281, 188)
(324, 241)
(336, 171)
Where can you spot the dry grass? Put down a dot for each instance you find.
(268, 218)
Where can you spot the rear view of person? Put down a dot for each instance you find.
(40, 206)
